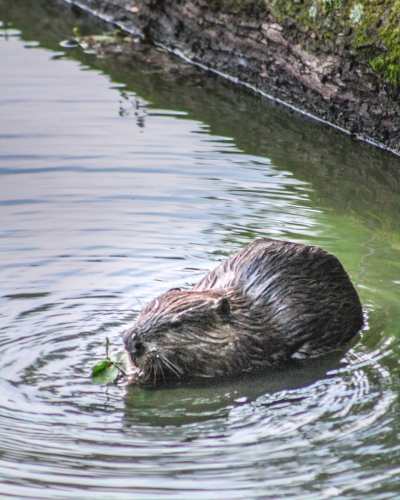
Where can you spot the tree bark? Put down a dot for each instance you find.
(277, 54)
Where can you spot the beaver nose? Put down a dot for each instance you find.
(137, 349)
(133, 345)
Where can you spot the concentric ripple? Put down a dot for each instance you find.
(112, 192)
(297, 423)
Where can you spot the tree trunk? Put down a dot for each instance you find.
(327, 59)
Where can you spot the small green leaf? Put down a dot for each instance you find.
(101, 366)
(108, 369)
(107, 375)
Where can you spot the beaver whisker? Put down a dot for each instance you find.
(148, 369)
(155, 369)
(160, 366)
(171, 366)
(160, 370)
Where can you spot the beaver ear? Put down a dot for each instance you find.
(223, 308)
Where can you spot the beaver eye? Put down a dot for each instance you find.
(176, 323)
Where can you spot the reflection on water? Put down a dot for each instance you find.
(121, 178)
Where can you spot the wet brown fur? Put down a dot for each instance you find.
(272, 301)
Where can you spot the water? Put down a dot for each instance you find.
(119, 180)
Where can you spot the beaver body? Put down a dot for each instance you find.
(272, 301)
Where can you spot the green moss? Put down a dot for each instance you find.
(326, 19)
(371, 28)
(368, 28)
(388, 62)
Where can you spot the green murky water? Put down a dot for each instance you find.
(120, 179)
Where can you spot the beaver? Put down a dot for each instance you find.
(271, 302)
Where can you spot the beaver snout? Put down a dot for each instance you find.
(133, 344)
(137, 349)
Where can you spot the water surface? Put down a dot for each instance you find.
(120, 179)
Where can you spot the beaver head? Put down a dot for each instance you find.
(182, 334)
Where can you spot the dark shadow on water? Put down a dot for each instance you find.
(192, 402)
